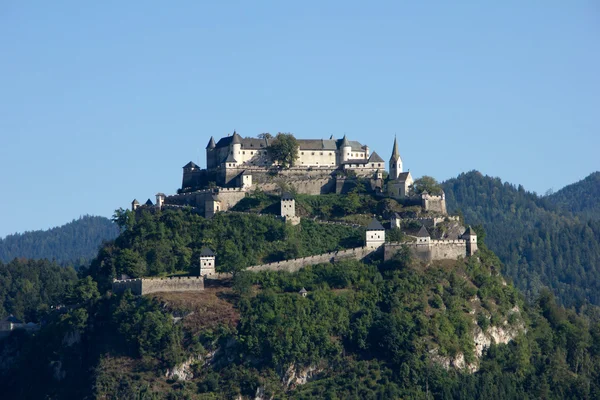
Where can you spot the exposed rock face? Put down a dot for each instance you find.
(184, 371)
(482, 340)
(295, 376)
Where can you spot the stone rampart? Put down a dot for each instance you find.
(430, 222)
(434, 250)
(296, 264)
(143, 286)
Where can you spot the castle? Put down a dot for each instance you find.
(236, 166)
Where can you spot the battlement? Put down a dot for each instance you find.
(142, 286)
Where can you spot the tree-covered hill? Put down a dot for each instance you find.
(74, 243)
(539, 243)
(366, 330)
(581, 198)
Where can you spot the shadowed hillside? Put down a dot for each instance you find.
(74, 243)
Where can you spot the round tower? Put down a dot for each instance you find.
(236, 146)
(346, 149)
(210, 154)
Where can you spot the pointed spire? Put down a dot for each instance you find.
(395, 152)
(237, 139)
(211, 143)
(345, 142)
(331, 137)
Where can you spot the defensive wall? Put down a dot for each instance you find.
(434, 203)
(143, 286)
(434, 250)
(430, 222)
(296, 264)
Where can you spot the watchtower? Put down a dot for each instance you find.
(207, 262)
(423, 238)
(288, 205)
(471, 237)
(375, 235)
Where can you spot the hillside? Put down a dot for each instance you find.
(366, 329)
(74, 243)
(580, 198)
(539, 244)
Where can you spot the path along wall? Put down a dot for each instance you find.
(298, 263)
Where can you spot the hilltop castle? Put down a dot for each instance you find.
(236, 165)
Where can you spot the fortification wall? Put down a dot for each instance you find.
(296, 264)
(146, 286)
(435, 250)
(434, 203)
(430, 221)
(314, 186)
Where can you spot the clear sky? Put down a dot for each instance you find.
(104, 102)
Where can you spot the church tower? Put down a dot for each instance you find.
(395, 162)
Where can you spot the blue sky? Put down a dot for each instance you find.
(103, 102)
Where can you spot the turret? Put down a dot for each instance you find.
(423, 237)
(471, 237)
(210, 153)
(160, 200)
(134, 204)
(207, 262)
(395, 162)
(375, 235)
(346, 149)
(236, 146)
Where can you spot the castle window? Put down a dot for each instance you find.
(379, 165)
(313, 153)
(321, 153)
(302, 153)
(243, 152)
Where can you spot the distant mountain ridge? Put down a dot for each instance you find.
(542, 241)
(580, 198)
(74, 243)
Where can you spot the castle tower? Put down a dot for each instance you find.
(207, 262)
(423, 237)
(395, 162)
(160, 200)
(288, 205)
(210, 154)
(236, 146)
(212, 205)
(346, 149)
(471, 237)
(375, 235)
(134, 204)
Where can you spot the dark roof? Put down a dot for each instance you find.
(375, 225)
(237, 139)
(287, 196)
(469, 232)
(423, 232)
(230, 159)
(345, 142)
(375, 158)
(402, 176)
(246, 172)
(190, 165)
(395, 152)
(149, 203)
(135, 201)
(317, 144)
(206, 252)
(211, 143)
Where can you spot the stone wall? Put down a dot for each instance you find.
(434, 250)
(153, 285)
(434, 203)
(296, 264)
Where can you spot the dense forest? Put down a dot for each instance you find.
(366, 330)
(540, 241)
(74, 243)
(581, 198)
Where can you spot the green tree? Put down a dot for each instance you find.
(284, 149)
(427, 184)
